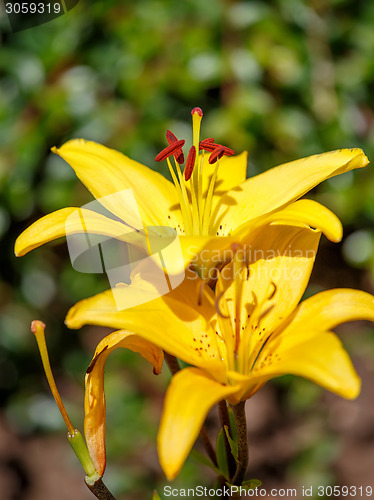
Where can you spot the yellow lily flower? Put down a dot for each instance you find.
(213, 208)
(251, 329)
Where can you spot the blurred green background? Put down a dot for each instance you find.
(281, 79)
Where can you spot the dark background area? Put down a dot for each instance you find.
(281, 79)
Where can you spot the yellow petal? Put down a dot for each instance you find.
(175, 322)
(106, 172)
(232, 171)
(282, 185)
(190, 396)
(326, 310)
(280, 260)
(316, 355)
(73, 220)
(94, 403)
(303, 213)
(204, 252)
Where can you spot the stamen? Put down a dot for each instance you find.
(216, 155)
(182, 195)
(209, 200)
(205, 142)
(169, 150)
(210, 145)
(171, 138)
(190, 163)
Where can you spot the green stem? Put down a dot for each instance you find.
(241, 426)
(225, 421)
(99, 489)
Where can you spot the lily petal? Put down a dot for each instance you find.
(106, 172)
(94, 403)
(282, 185)
(303, 213)
(73, 220)
(205, 252)
(174, 322)
(191, 394)
(330, 308)
(316, 355)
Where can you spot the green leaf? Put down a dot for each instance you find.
(156, 496)
(251, 484)
(202, 459)
(232, 424)
(221, 455)
(233, 444)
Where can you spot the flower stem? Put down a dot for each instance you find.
(225, 421)
(241, 425)
(99, 489)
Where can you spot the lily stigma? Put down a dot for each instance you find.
(210, 207)
(236, 338)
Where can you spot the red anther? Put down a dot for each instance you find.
(190, 163)
(228, 151)
(216, 154)
(171, 138)
(208, 145)
(170, 150)
(199, 111)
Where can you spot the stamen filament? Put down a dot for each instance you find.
(208, 201)
(195, 212)
(183, 200)
(188, 217)
(37, 328)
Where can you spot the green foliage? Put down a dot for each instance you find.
(221, 455)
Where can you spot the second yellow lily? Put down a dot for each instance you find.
(248, 331)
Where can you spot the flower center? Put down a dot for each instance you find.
(196, 206)
(241, 313)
